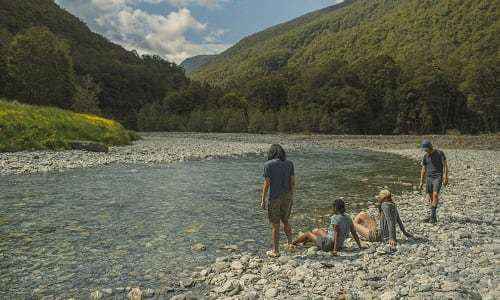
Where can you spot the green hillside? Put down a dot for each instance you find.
(406, 30)
(421, 65)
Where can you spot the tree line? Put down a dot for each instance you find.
(373, 96)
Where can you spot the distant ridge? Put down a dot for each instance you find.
(194, 63)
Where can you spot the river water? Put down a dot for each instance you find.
(65, 235)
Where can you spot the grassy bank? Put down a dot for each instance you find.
(25, 127)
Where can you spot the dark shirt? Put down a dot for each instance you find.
(434, 163)
(279, 173)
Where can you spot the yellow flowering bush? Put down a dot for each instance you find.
(25, 127)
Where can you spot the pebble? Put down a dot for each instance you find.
(457, 258)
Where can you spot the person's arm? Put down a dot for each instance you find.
(292, 184)
(265, 188)
(336, 241)
(422, 175)
(355, 235)
(400, 223)
(445, 173)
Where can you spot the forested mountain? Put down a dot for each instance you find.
(194, 63)
(413, 65)
(359, 67)
(46, 49)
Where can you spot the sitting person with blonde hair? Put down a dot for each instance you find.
(367, 227)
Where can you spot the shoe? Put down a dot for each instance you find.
(272, 254)
(433, 220)
(427, 220)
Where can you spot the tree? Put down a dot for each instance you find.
(86, 96)
(482, 87)
(149, 117)
(443, 103)
(233, 100)
(40, 69)
(236, 120)
(187, 99)
(267, 93)
(379, 77)
(261, 121)
(5, 39)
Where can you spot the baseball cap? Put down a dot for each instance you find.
(426, 145)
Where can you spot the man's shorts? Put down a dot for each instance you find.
(375, 235)
(279, 208)
(324, 244)
(433, 185)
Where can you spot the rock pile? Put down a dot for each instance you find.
(457, 258)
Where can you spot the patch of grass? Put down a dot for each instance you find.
(26, 127)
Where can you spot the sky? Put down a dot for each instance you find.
(179, 29)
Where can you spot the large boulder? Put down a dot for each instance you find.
(89, 146)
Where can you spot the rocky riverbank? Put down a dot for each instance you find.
(457, 258)
(171, 147)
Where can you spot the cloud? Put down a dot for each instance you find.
(124, 23)
(214, 36)
(202, 3)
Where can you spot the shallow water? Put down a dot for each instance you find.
(68, 234)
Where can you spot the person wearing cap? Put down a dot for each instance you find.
(333, 239)
(435, 171)
(367, 227)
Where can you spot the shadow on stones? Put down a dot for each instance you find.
(462, 221)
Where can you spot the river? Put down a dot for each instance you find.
(67, 234)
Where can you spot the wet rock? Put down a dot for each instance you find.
(135, 294)
(199, 247)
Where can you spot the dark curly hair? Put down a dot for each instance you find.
(339, 204)
(276, 151)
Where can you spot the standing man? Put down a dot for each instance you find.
(279, 181)
(435, 170)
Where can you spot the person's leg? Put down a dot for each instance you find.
(273, 211)
(434, 203)
(429, 191)
(320, 232)
(363, 223)
(276, 237)
(435, 199)
(286, 210)
(288, 231)
(434, 187)
(305, 238)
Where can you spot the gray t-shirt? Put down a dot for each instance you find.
(279, 173)
(344, 222)
(434, 163)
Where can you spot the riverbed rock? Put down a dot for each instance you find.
(89, 146)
